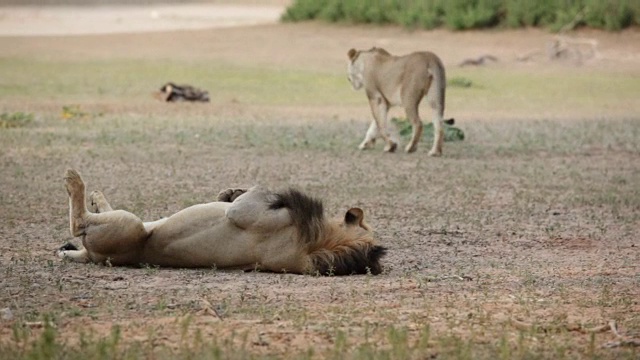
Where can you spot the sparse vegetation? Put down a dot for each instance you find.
(15, 120)
(451, 133)
(476, 14)
(459, 81)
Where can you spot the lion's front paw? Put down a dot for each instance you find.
(230, 195)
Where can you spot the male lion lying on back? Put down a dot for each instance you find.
(399, 80)
(245, 229)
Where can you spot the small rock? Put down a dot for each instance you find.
(7, 314)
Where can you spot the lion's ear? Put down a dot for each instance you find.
(352, 54)
(354, 216)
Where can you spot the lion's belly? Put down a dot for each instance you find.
(200, 236)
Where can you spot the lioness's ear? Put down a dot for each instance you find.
(352, 54)
(354, 216)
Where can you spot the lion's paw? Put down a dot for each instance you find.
(73, 181)
(62, 251)
(97, 200)
(230, 195)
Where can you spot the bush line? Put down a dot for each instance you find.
(555, 15)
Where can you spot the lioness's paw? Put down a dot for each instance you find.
(435, 153)
(390, 147)
(229, 195)
(73, 181)
(410, 148)
(367, 144)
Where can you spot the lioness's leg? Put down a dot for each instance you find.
(380, 109)
(438, 128)
(370, 138)
(99, 203)
(411, 109)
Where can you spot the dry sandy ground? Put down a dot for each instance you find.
(109, 19)
(475, 239)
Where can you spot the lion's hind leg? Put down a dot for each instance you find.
(77, 207)
(115, 236)
(99, 203)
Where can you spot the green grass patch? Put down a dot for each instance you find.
(138, 79)
(548, 92)
(486, 89)
(385, 343)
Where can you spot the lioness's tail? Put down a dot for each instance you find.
(436, 93)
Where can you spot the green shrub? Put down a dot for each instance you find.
(610, 15)
(332, 12)
(304, 10)
(472, 14)
(519, 13)
(451, 133)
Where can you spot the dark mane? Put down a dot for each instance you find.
(333, 249)
(306, 213)
(343, 260)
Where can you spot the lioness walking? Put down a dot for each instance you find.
(399, 80)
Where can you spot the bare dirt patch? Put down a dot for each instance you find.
(55, 20)
(534, 220)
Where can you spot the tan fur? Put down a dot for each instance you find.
(399, 81)
(245, 229)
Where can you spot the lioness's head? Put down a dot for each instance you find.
(356, 64)
(355, 69)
